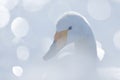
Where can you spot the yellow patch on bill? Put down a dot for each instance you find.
(61, 38)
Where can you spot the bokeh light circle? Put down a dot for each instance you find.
(22, 53)
(116, 39)
(20, 27)
(99, 9)
(9, 4)
(17, 71)
(4, 16)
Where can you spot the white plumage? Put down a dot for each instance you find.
(79, 62)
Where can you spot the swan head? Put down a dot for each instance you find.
(71, 27)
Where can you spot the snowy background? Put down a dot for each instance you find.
(27, 28)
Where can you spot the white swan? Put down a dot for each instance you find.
(74, 28)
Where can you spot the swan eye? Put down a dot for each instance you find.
(70, 28)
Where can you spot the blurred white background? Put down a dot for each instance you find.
(27, 28)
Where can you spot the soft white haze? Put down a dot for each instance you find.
(27, 29)
(34, 5)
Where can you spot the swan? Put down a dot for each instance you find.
(74, 28)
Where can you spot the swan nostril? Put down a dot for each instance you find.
(70, 28)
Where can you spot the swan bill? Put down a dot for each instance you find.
(60, 40)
